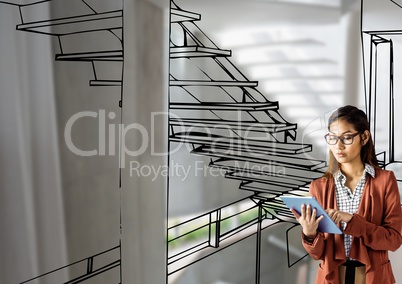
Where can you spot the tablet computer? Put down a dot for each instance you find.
(326, 225)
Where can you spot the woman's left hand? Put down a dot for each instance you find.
(339, 216)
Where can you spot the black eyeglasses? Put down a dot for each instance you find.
(346, 139)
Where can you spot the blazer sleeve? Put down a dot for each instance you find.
(387, 235)
(317, 247)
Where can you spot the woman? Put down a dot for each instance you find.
(359, 196)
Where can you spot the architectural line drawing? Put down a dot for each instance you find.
(224, 116)
(92, 266)
(212, 132)
(381, 98)
(110, 21)
(98, 24)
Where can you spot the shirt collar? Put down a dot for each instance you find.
(367, 169)
(370, 170)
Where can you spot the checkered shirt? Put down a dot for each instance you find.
(347, 201)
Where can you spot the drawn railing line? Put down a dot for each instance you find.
(216, 233)
(239, 238)
(209, 212)
(96, 272)
(213, 217)
(90, 272)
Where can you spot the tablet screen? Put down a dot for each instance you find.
(326, 225)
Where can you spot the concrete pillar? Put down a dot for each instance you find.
(353, 60)
(144, 93)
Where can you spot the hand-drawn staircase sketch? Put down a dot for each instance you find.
(106, 24)
(220, 121)
(382, 43)
(223, 116)
(100, 32)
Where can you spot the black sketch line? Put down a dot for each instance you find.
(396, 3)
(24, 3)
(91, 267)
(112, 22)
(290, 263)
(242, 133)
(71, 25)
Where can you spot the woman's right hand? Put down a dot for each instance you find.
(308, 220)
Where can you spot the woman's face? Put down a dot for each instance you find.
(342, 152)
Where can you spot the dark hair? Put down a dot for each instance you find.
(358, 119)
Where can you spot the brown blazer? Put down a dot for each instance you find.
(376, 228)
